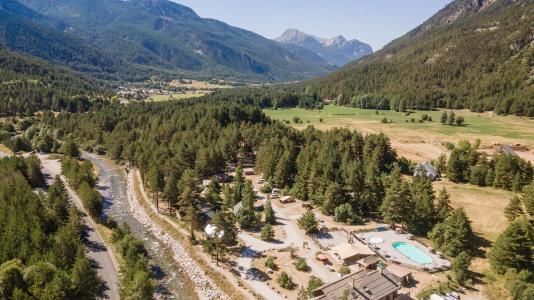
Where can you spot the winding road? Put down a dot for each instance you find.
(102, 256)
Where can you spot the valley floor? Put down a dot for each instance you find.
(418, 141)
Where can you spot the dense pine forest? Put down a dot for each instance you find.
(41, 253)
(28, 85)
(466, 56)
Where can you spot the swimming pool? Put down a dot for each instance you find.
(413, 253)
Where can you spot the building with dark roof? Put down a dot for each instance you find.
(426, 169)
(361, 285)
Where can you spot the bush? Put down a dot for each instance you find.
(321, 120)
(297, 120)
(346, 214)
(424, 117)
(385, 120)
(301, 265)
(271, 264)
(286, 281)
(313, 284)
(344, 270)
(267, 233)
(266, 188)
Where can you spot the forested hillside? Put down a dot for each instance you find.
(28, 85)
(160, 35)
(472, 54)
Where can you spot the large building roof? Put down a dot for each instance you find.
(361, 285)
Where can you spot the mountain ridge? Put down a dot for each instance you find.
(472, 54)
(161, 35)
(337, 50)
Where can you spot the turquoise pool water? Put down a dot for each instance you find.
(413, 253)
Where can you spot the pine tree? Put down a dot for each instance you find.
(171, 192)
(308, 222)
(452, 118)
(423, 217)
(514, 247)
(397, 205)
(155, 183)
(454, 235)
(460, 266)
(226, 222)
(333, 197)
(528, 199)
(443, 206)
(513, 209)
(270, 217)
(455, 167)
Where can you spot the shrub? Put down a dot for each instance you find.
(270, 263)
(313, 284)
(344, 270)
(321, 120)
(266, 188)
(301, 265)
(285, 281)
(296, 120)
(424, 117)
(385, 120)
(267, 233)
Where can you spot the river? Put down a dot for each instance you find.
(172, 283)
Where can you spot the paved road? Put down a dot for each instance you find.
(96, 249)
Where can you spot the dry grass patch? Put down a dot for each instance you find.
(483, 205)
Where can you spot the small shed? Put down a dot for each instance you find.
(350, 253)
(370, 262)
(401, 274)
(426, 169)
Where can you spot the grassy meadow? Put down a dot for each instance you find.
(417, 141)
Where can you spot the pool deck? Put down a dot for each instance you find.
(388, 252)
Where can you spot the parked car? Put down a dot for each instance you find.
(275, 193)
(260, 181)
(256, 274)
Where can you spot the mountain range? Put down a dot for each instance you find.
(337, 51)
(135, 39)
(476, 54)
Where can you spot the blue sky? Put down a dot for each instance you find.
(376, 22)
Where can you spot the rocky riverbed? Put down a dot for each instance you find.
(206, 287)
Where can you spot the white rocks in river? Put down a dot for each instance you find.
(207, 287)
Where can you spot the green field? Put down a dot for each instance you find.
(181, 96)
(481, 125)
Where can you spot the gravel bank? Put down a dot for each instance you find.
(206, 286)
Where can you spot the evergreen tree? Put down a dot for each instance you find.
(226, 222)
(460, 266)
(155, 183)
(514, 247)
(308, 222)
(267, 233)
(513, 209)
(269, 214)
(454, 235)
(528, 199)
(455, 167)
(333, 197)
(85, 281)
(397, 205)
(452, 118)
(238, 184)
(212, 195)
(423, 216)
(171, 192)
(58, 200)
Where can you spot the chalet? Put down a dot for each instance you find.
(361, 285)
(426, 169)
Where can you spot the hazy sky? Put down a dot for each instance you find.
(376, 22)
